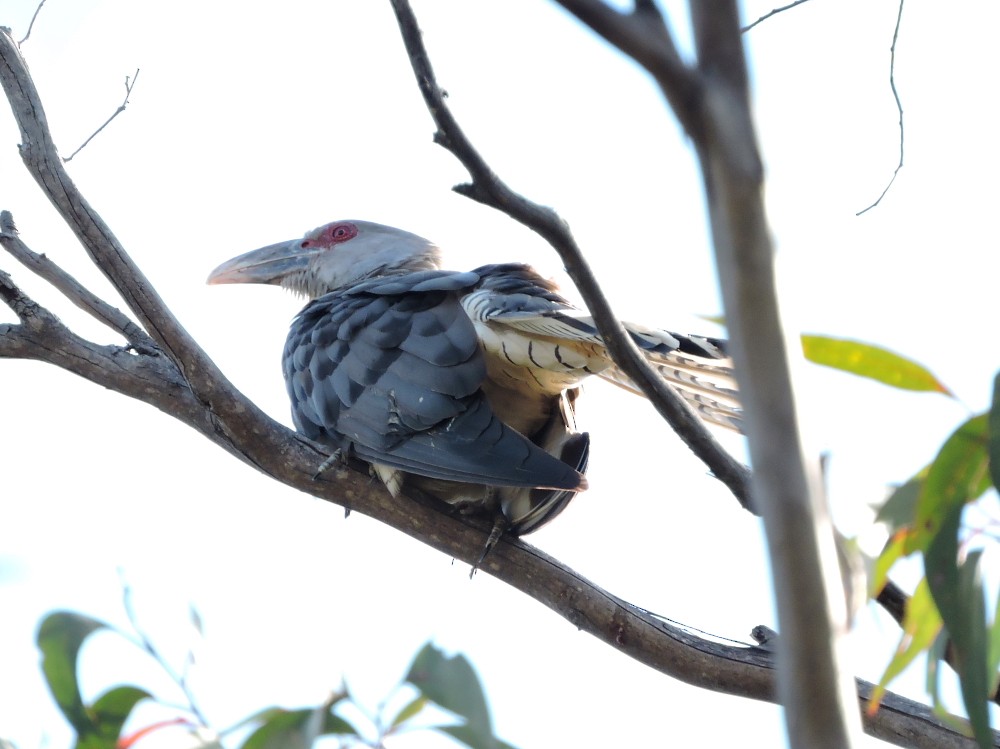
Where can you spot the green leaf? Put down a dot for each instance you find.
(874, 362)
(473, 739)
(994, 432)
(717, 319)
(921, 625)
(974, 648)
(452, 683)
(935, 657)
(283, 729)
(111, 709)
(337, 726)
(411, 709)
(994, 661)
(959, 474)
(900, 509)
(297, 729)
(892, 552)
(958, 593)
(60, 637)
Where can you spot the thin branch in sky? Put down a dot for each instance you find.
(773, 12)
(899, 107)
(32, 24)
(129, 85)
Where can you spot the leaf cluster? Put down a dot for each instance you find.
(946, 618)
(438, 680)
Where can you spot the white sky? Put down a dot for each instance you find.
(251, 124)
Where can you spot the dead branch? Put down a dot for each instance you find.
(899, 108)
(128, 92)
(31, 25)
(71, 288)
(772, 12)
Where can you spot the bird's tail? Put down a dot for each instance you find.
(697, 367)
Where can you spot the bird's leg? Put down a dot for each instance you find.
(499, 526)
(337, 458)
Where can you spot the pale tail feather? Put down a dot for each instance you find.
(696, 367)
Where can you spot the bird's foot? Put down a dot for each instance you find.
(499, 526)
(338, 459)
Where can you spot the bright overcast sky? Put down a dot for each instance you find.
(252, 122)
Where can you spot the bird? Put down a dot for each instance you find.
(460, 385)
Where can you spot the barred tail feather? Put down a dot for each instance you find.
(696, 366)
(711, 410)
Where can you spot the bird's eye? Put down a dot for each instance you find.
(342, 232)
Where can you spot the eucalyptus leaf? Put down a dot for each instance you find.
(60, 637)
(873, 362)
(958, 475)
(451, 682)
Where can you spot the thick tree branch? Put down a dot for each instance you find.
(489, 189)
(814, 686)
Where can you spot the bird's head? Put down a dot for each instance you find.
(330, 257)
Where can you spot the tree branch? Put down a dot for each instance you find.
(129, 85)
(772, 12)
(31, 25)
(72, 289)
(643, 36)
(899, 107)
(814, 686)
(41, 157)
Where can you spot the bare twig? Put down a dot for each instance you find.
(32, 24)
(128, 92)
(899, 108)
(489, 189)
(773, 12)
(72, 289)
(146, 643)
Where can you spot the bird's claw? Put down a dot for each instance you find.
(499, 526)
(337, 458)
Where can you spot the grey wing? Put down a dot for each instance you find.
(393, 372)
